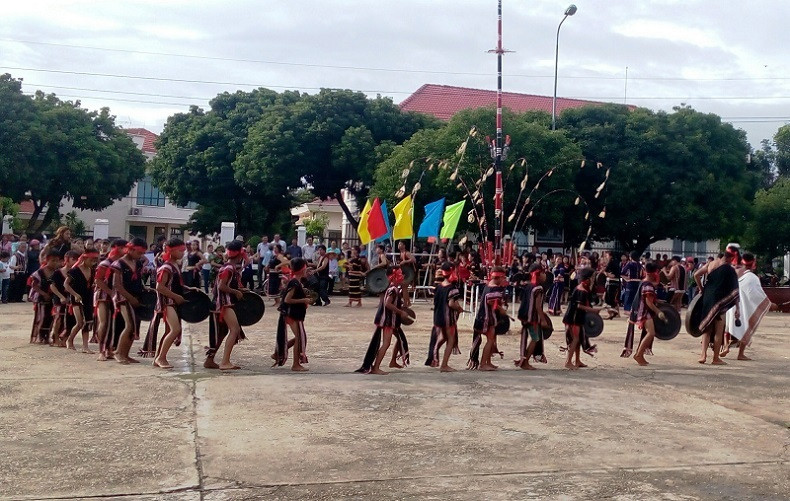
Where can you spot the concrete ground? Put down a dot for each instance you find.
(74, 428)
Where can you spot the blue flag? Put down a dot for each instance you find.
(433, 219)
(388, 235)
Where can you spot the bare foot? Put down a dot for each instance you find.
(379, 372)
(743, 357)
(446, 368)
(570, 366)
(228, 367)
(527, 367)
(71, 347)
(641, 360)
(162, 364)
(210, 364)
(132, 360)
(124, 361)
(274, 356)
(299, 368)
(725, 352)
(703, 360)
(488, 367)
(718, 361)
(395, 365)
(88, 351)
(102, 357)
(580, 365)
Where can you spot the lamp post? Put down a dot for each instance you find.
(571, 10)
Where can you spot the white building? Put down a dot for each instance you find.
(339, 228)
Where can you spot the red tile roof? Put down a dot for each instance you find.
(149, 138)
(444, 101)
(26, 206)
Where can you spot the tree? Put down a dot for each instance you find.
(683, 175)
(768, 232)
(60, 150)
(431, 157)
(782, 145)
(329, 141)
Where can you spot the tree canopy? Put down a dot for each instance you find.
(52, 149)
(768, 232)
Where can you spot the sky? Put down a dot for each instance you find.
(149, 59)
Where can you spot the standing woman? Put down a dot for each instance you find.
(60, 244)
(277, 262)
(194, 264)
(356, 273)
(205, 270)
(560, 273)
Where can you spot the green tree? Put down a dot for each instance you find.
(768, 232)
(782, 145)
(433, 155)
(683, 175)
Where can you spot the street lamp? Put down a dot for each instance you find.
(571, 10)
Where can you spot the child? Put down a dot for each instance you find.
(293, 307)
(388, 322)
(62, 322)
(128, 288)
(79, 283)
(644, 311)
(102, 299)
(446, 308)
(40, 295)
(223, 324)
(492, 302)
(533, 318)
(5, 275)
(578, 306)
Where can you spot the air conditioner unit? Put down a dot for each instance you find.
(135, 212)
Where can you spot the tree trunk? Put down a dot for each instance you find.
(52, 214)
(31, 224)
(339, 197)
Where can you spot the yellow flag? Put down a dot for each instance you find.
(362, 229)
(403, 227)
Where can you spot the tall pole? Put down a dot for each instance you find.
(498, 220)
(571, 10)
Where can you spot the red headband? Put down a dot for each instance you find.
(85, 255)
(168, 250)
(497, 274)
(132, 246)
(396, 277)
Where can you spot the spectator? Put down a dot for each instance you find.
(263, 257)
(5, 275)
(205, 270)
(294, 250)
(308, 250)
(278, 242)
(18, 269)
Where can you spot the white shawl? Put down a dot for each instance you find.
(754, 304)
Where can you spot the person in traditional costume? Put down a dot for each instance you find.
(632, 273)
(388, 324)
(719, 294)
(560, 272)
(579, 304)
(127, 291)
(446, 308)
(356, 275)
(407, 260)
(102, 301)
(533, 319)
(62, 319)
(79, 285)
(644, 311)
(753, 304)
(493, 302)
(293, 308)
(677, 282)
(223, 324)
(41, 296)
(612, 289)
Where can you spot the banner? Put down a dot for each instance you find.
(362, 229)
(376, 225)
(451, 217)
(433, 218)
(403, 224)
(388, 235)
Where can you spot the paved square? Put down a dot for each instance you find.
(71, 427)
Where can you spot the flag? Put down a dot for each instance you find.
(451, 217)
(388, 235)
(403, 224)
(432, 219)
(376, 225)
(362, 228)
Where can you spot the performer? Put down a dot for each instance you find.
(612, 273)
(62, 320)
(446, 308)
(127, 290)
(560, 272)
(677, 282)
(170, 288)
(533, 318)
(754, 304)
(102, 301)
(293, 308)
(388, 324)
(356, 274)
(223, 324)
(632, 272)
(719, 294)
(643, 315)
(492, 302)
(578, 306)
(40, 281)
(407, 260)
(79, 284)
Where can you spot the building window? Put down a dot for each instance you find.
(138, 231)
(148, 194)
(177, 232)
(190, 205)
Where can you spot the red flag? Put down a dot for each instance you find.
(377, 227)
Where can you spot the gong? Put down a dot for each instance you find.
(377, 281)
(408, 274)
(690, 322)
(250, 309)
(669, 329)
(147, 305)
(410, 317)
(197, 308)
(593, 324)
(502, 324)
(547, 328)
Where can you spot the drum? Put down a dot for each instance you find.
(593, 324)
(250, 309)
(377, 281)
(147, 305)
(669, 329)
(197, 308)
(410, 318)
(408, 274)
(689, 322)
(502, 324)
(547, 329)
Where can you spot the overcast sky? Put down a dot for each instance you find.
(726, 57)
